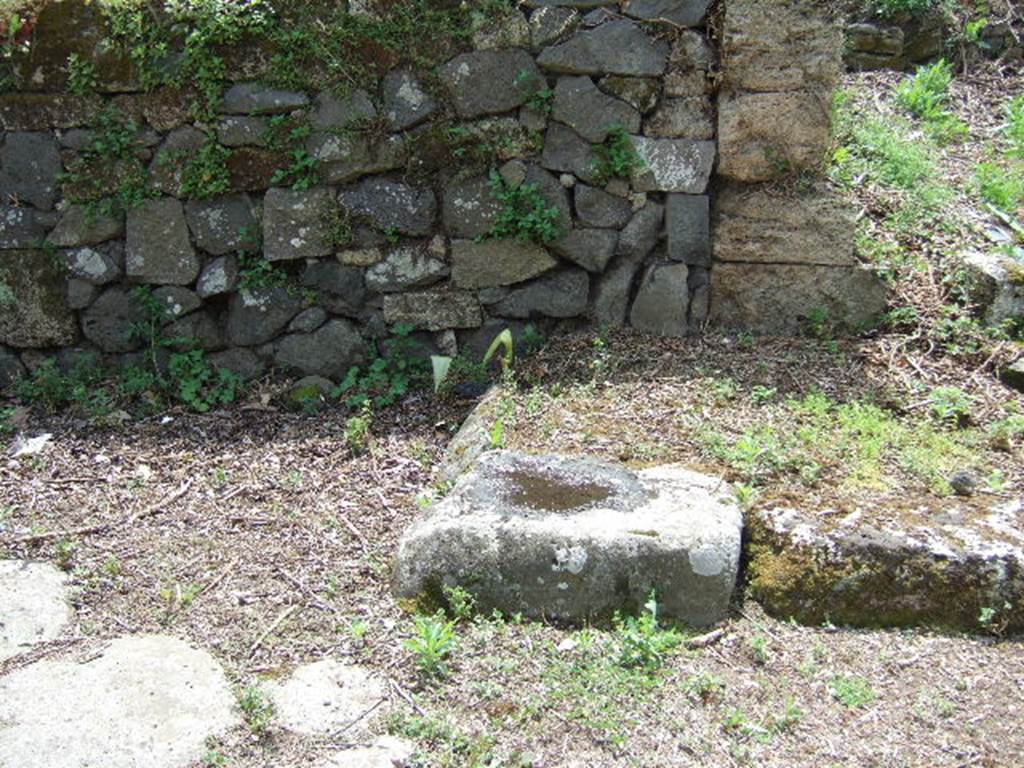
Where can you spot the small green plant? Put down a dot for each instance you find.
(64, 550)
(1001, 186)
(112, 567)
(759, 650)
(389, 376)
(7, 427)
(643, 643)
(206, 174)
(257, 708)
(433, 641)
(496, 436)
(201, 386)
(852, 691)
(993, 619)
(1014, 129)
(704, 685)
(82, 78)
(926, 95)
(358, 435)
(525, 214)
(762, 394)
(951, 405)
(461, 602)
(617, 158)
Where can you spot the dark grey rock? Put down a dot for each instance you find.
(309, 393)
(29, 166)
(577, 539)
(176, 301)
(78, 227)
(551, 24)
(490, 82)
(1013, 375)
(329, 351)
(389, 205)
(499, 29)
(346, 157)
(597, 208)
(662, 301)
(158, 249)
(92, 265)
(556, 195)
(110, 321)
(258, 315)
(591, 249)
(308, 320)
(568, 152)
(641, 234)
(198, 329)
(406, 101)
(223, 225)
(639, 92)
(218, 277)
(296, 223)
(591, 113)
(340, 289)
(243, 131)
(23, 227)
(338, 112)
(688, 226)
(433, 310)
(673, 165)
(240, 361)
(684, 13)
(560, 294)
(700, 297)
(255, 99)
(964, 482)
(406, 267)
(613, 291)
(469, 207)
(11, 369)
(615, 48)
(166, 171)
(80, 294)
(996, 289)
(874, 38)
(489, 263)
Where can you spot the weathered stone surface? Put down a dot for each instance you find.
(109, 321)
(1011, 375)
(43, 111)
(339, 288)
(406, 101)
(218, 277)
(409, 266)
(685, 13)
(469, 208)
(78, 294)
(337, 112)
(682, 118)
(29, 165)
(614, 48)
(255, 99)
(559, 294)
(591, 113)
(258, 315)
(997, 286)
(591, 249)
(384, 752)
(597, 208)
(548, 25)
(309, 393)
(23, 227)
(577, 539)
(77, 228)
(11, 372)
(359, 257)
(673, 165)
(241, 361)
(489, 263)
(167, 169)
(433, 310)
(474, 436)
(613, 291)
(639, 92)
(223, 225)
(243, 131)
(700, 297)
(641, 234)
(199, 329)
(346, 157)
(778, 298)
(496, 30)
(92, 265)
(329, 351)
(490, 82)
(662, 301)
(252, 169)
(939, 564)
(158, 249)
(308, 320)
(565, 150)
(35, 607)
(688, 225)
(176, 301)
(327, 695)
(33, 313)
(874, 38)
(766, 135)
(391, 205)
(147, 700)
(296, 224)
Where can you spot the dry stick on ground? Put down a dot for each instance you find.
(705, 640)
(277, 623)
(207, 587)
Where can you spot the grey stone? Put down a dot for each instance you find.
(662, 301)
(565, 150)
(474, 436)
(689, 117)
(346, 157)
(33, 312)
(383, 752)
(158, 249)
(329, 351)
(255, 99)
(406, 267)
(1011, 375)
(688, 226)
(197, 329)
(997, 286)
(874, 38)
(433, 310)
(337, 112)
(322, 697)
(389, 205)
(673, 165)
(533, 120)
(240, 361)
(406, 101)
(613, 291)
(167, 169)
(176, 301)
(78, 226)
(35, 608)
(779, 298)
(11, 371)
(700, 298)
(490, 82)
(256, 316)
(146, 699)
(243, 131)
(641, 234)
(218, 277)
(23, 227)
(576, 539)
(549, 25)
(591, 249)
(359, 257)
(639, 92)
(469, 208)
(296, 224)
(91, 265)
(591, 113)
(684, 13)
(496, 30)
(340, 289)
(29, 166)
(489, 263)
(559, 294)
(614, 48)
(110, 321)
(308, 320)
(597, 208)
(223, 225)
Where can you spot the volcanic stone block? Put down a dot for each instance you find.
(561, 294)
(673, 165)
(662, 302)
(223, 225)
(111, 320)
(296, 224)
(158, 249)
(24, 227)
(433, 310)
(390, 205)
(683, 13)
(330, 351)
(78, 226)
(614, 48)
(406, 102)
(576, 539)
(32, 312)
(254, 99)
(490, 263)
(592, 249)
(490, 82)
(579, 104)
(687, 222)
(470, 209)
(29, 165)
(406, 267)
(597, 208)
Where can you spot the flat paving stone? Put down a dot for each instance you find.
(33, 605)
(326, 696)
(149, 700)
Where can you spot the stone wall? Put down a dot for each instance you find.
(375, 208)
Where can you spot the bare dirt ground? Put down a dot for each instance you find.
(257, 535)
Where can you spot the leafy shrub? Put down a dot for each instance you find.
(926, 95)
(434, 639)
(642, 641)
(1015, 125)
(357, 431)
(1002, 187)
(206, 175)
(389, 376)
(951, 405)
(617, 157)
(852, 691)
(525, 214)
(199, 385)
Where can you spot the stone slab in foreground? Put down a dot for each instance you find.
(943, 567)
(33, 605)
(576, 539)
(146, 701)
